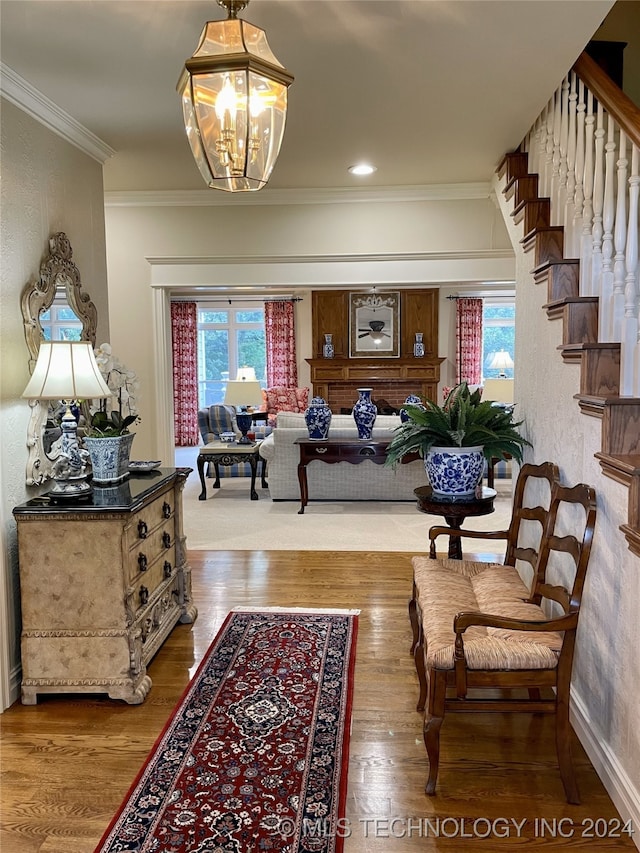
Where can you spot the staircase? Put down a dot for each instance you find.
(599, 394)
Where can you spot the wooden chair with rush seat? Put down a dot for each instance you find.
(481, 629)
(525, 513)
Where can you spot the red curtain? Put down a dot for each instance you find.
(280, 334)
(184, 340)
(469, 340)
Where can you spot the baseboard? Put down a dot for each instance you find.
(624, 794)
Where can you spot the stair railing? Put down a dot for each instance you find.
(585, 148)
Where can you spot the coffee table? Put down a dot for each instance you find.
(230, 453)
(455, 510)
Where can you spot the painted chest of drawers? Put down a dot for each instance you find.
(102, 584)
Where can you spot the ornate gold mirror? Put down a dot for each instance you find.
(58, 283)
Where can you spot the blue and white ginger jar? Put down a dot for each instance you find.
(415, 401)
(365, 412)
(318, 419)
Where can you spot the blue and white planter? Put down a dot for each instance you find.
(318, 419)
(454, 471)
(365, 413)
(109, 457)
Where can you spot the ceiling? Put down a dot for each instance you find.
(430, 91)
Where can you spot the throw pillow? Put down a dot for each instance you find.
(285, 400)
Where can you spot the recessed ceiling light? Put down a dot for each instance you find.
(362, 169)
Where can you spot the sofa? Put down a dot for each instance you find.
(341, 481)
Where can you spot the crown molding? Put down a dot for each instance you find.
(177, 260)
(26, 97)
(334, 195)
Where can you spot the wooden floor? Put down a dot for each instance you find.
(67, 763)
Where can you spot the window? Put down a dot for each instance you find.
(228, 339)
(498, 322)
(60, 323)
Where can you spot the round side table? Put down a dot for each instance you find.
(455, 510)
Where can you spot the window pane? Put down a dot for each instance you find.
(213, 316)
(250, 316)
(498, 334)
(68, 333)
(65, 313)
(252, 351)
(499, 312)
(213, 365)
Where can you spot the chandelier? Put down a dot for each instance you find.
(234, 103)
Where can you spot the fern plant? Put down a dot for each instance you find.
(464, 420)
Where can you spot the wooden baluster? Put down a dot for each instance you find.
(535, 145)
(576, 231)
(620, 239)
(598, 202)
(605, 311)
(548, 161)
(569, 209)
(555, 173)
(563, 166)
(630, 346)
(586, 240)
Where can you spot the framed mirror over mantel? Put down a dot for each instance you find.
(392, 378)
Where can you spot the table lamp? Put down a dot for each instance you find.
(67, 371)
(501, 362)
(243, 394)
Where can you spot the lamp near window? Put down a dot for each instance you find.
(67, 371)
(501, 361)
(234, 103)
(246, 374)
(243, 394)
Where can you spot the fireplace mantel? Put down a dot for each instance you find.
(392, 378)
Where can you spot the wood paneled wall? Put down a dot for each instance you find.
(418, 313)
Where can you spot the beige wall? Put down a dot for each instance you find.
(606, 681)
(48, 185)
(290, 247)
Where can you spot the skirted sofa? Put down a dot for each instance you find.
(340, 481)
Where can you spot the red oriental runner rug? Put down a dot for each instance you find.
(255, 754)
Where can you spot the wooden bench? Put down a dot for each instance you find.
(478, 627)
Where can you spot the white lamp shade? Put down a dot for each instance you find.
(501, 361)
(66, 370)
(247, 393)
(246, 374)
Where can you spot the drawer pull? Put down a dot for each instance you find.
(367, 451)
(167, 569)
(142, 529)
(166, 510)
(321, 449)
(142, 562)
(144, 595)
(166, 539)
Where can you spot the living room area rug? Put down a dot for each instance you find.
(254, 757)
(229, 521)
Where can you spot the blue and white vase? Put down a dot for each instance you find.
(415, 401)
(327, 347)
(454, 471)
(365, 412)
(318, 419)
